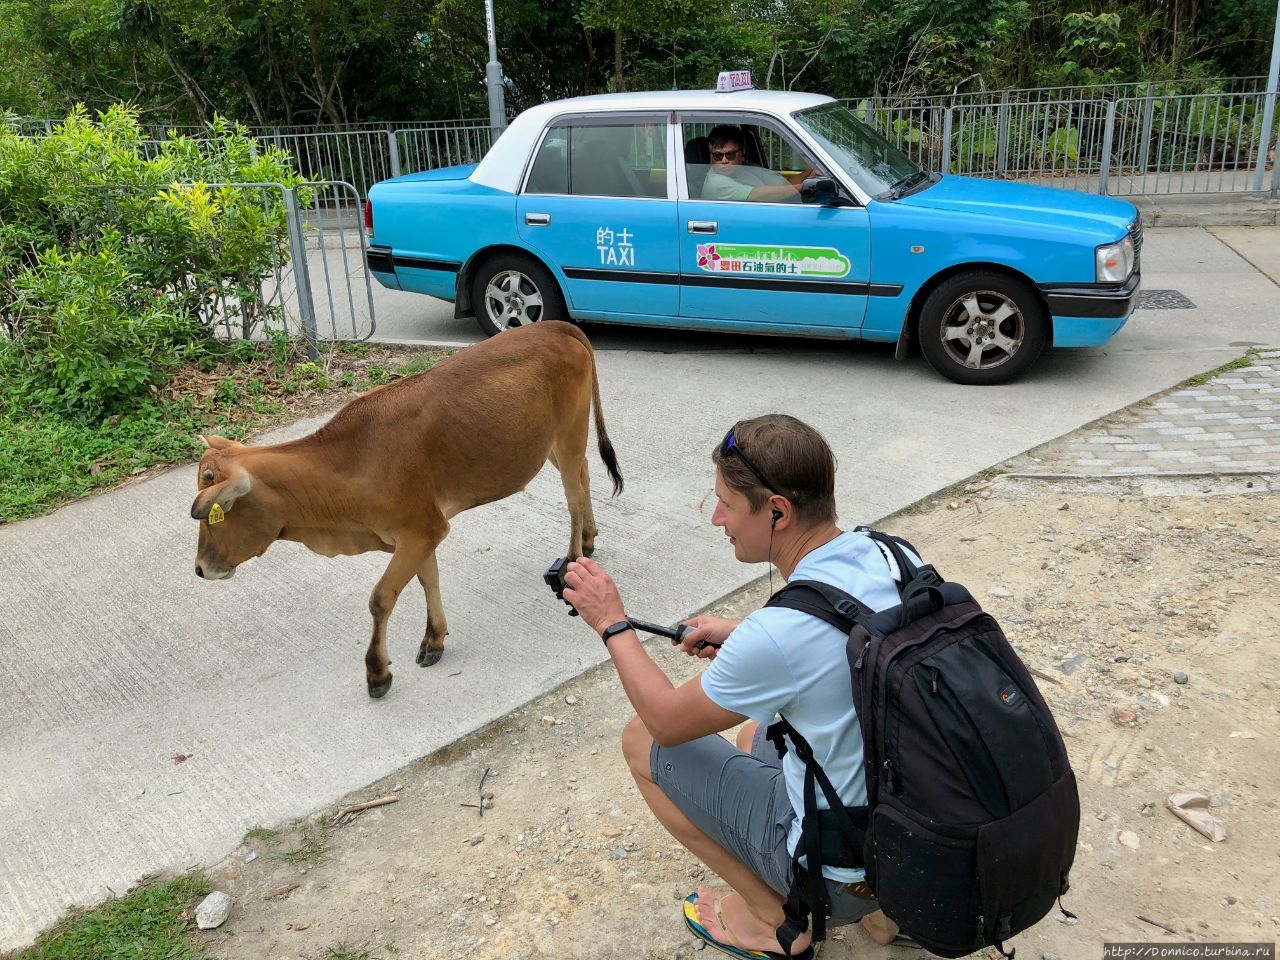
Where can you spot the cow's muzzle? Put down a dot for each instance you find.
(205, 572)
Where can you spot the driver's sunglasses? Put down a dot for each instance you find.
(730, 445)
(725, 154)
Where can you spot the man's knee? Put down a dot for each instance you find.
(637, 747)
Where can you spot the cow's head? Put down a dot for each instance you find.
(236, 522)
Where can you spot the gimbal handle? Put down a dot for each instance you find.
(554, 578)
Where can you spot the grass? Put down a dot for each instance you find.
(313, 841)
(48, 460)
(153, 921)
(263, 835)
(1200, 379)
(343, 952)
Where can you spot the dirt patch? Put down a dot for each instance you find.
(1148, 618)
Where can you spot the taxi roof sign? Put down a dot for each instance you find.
(729, 80)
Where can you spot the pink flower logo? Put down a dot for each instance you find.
(707, 256)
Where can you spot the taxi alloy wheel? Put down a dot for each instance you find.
(513, 290)
(982, 328)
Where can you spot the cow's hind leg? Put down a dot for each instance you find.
(432, 647)
(577, 494)
(405, 562)
(589, 529)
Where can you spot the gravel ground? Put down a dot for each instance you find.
(1144, 611)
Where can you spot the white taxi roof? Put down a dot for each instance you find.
(504, 164)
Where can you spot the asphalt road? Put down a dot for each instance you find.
(115, 660)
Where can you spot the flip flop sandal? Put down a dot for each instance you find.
(742, 953)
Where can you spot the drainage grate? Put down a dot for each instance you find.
(1163, 300)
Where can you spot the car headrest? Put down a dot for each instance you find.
(697, 150)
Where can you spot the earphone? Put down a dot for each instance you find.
(777, 515)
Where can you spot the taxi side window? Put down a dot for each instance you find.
(550, 173)
(594, 160)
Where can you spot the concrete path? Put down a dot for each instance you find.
(149, 719)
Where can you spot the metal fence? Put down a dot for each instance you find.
(1154, 144)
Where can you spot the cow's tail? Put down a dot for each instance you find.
(602, 436)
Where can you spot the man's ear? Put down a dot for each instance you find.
(222, 495)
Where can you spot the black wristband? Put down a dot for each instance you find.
(614, 629)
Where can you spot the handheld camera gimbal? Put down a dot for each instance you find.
(554, 578)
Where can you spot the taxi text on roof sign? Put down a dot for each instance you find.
(729, 80)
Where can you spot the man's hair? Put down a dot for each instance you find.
(725, 133)
(790, 455)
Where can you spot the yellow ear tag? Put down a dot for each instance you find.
(215, 514)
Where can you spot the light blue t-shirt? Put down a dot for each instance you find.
(789, 662)
(736, 183)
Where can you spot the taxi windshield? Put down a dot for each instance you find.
(875, 164)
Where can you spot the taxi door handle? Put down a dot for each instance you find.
(538, 219)
(703, 226)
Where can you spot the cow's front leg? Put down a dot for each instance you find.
(432, 647)
(405, 562)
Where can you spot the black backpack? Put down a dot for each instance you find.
(972, 812)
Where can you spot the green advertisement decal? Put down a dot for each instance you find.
(772, 261)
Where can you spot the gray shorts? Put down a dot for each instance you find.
(740, 801)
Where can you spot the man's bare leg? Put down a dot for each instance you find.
(756, 913)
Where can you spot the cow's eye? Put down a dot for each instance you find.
(207, 476)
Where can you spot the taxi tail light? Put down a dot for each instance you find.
(368, 215)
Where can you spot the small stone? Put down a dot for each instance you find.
(1064, 506)
(213, 910)
(251, 856)
(1180, 677)
(619, 853)
(1129, 839)
(549, 721)
(1124, 717)
(571, 700)
(998, 591)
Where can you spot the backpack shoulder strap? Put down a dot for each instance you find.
(823, 601)
(909, 574)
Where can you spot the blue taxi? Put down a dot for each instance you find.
(757, 211)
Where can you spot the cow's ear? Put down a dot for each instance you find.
(221, 495)
(215, 442)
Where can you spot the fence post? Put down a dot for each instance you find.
(1108, 142)
(1002, 136)
(1148, 129)
(947, 122)
(393, 151)
(301, 274)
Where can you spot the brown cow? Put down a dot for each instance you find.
(392, 466)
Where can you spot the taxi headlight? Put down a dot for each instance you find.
(1114, 261)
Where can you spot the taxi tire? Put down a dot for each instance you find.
(534, 275)
(943, 308)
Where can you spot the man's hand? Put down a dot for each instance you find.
(593, 594)
(714, 630)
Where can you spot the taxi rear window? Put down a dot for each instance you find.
(617, 159)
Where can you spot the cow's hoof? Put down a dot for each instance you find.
(429, 658)
(379, 690)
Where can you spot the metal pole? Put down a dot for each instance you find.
(1108, 143)
(493, 76)
(301, 274)
(1269, 110)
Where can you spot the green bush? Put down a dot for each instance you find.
(121, 256)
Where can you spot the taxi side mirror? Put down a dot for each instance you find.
(819, 190)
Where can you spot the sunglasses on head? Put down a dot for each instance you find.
(724, 154)
(729, 445)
